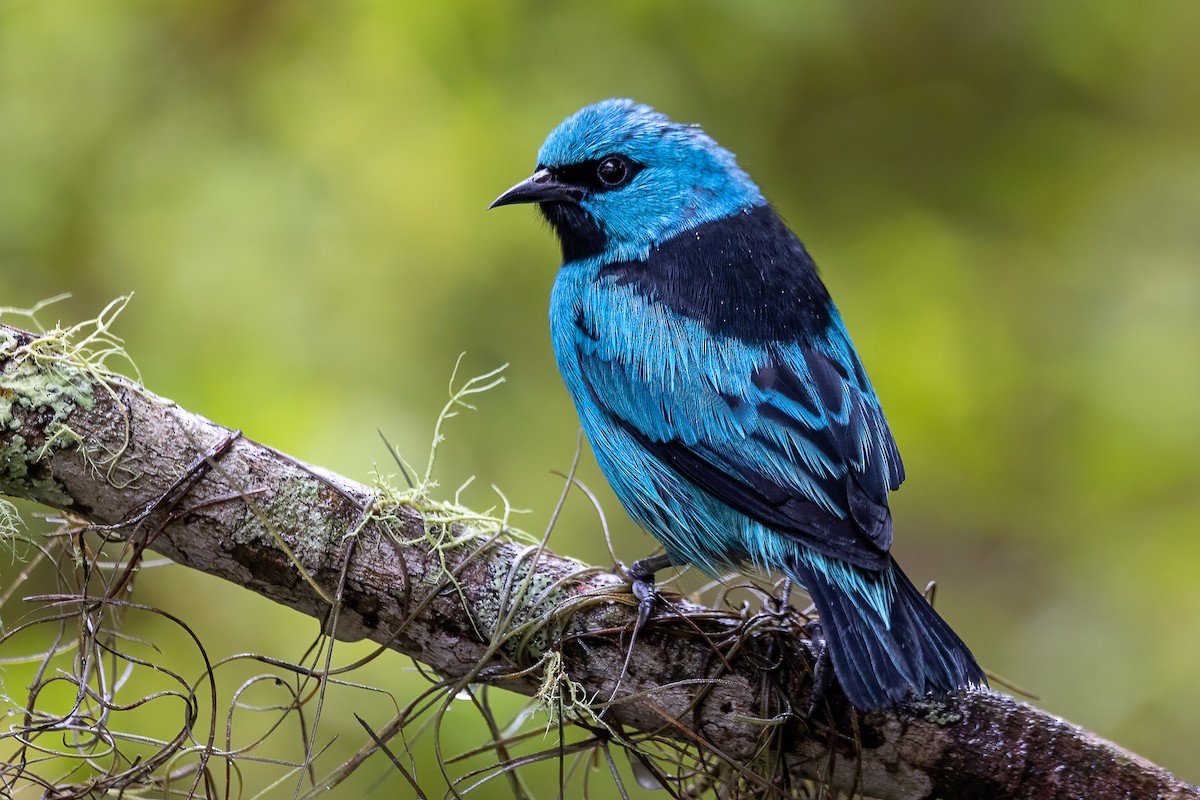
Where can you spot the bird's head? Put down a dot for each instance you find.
(616, 178)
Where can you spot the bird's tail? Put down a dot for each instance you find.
(879, 659)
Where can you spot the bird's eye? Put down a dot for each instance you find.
(613, 171)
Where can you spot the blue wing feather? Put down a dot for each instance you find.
(789, 434)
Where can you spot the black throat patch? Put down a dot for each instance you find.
(745, 275)
(578, 233)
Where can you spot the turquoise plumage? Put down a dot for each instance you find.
(720, 390)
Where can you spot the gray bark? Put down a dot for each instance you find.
(394, 590)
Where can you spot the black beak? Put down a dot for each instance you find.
(540, 187)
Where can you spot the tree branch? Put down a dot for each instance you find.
(105, 450)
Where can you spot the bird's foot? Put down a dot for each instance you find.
(777, 606)
(822, 667)
(647, 597)
(641, 579)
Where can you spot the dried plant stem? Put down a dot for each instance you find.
(721, 684)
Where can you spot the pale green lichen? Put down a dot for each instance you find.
(520, 605)
(562, 699)
(446, 524)
(17, 479)
(293, 512)
(45, 379)
(10, 526)
(935, 712)
(519, 610)
(49, 393)
(292, 519)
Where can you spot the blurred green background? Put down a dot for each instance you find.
(1004, 198)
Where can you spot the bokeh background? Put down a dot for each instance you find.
(1004, 199)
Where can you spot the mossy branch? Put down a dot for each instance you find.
(488, 608)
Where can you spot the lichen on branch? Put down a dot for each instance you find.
(712, 698)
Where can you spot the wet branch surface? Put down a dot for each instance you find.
(735, 685)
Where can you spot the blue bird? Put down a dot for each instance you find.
(721, 393)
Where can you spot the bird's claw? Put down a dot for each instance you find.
(641, 582)
(822, 667)
(647, 597)
(641, 579)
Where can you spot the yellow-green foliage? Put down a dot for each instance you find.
(1002, 198)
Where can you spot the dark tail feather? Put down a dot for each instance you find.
(879, 664)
